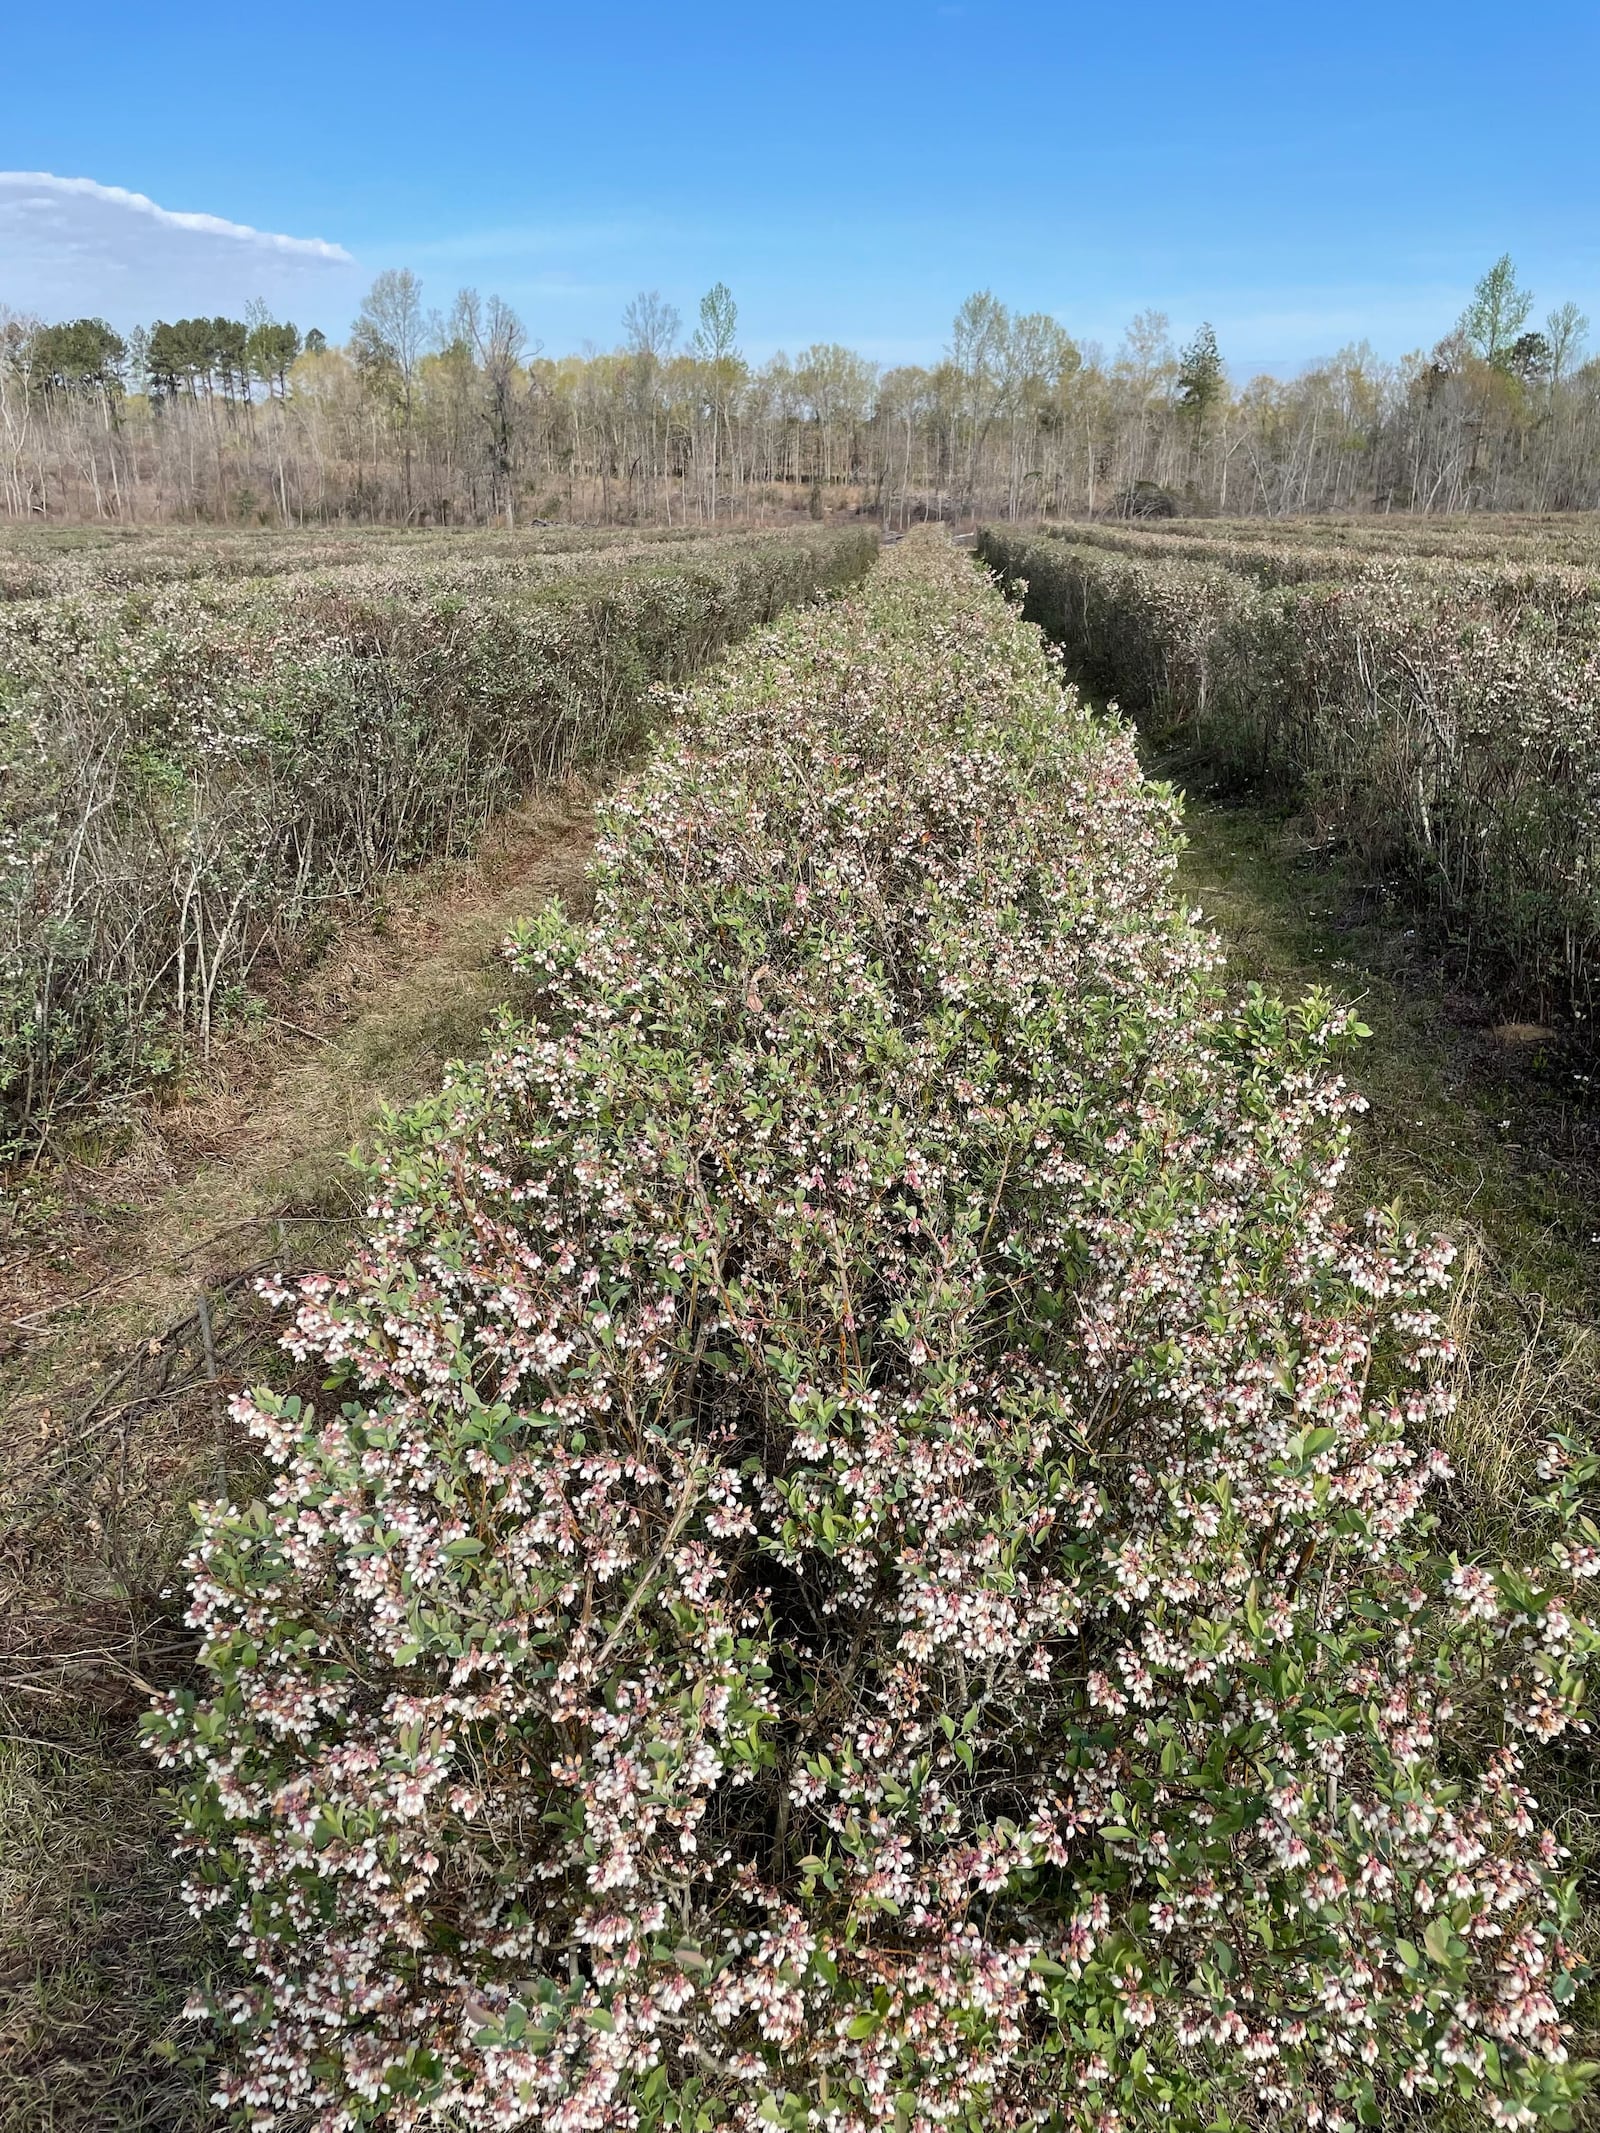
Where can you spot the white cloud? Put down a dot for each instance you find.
(70, 246)
(36, 181)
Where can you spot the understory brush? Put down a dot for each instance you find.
(867, 1561)
(1437, 716)
(195, 775)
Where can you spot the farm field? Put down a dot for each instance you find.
(424, 722)
(856, 1527)
(1484, 537)
(203, 767)
(1434, 711)
(41, 564)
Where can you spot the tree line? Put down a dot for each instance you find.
(458, 416)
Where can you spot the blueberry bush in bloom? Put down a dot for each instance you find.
(192, 773)
(1279, 551)
(1438, 714)
(37, 564)
(1338, 544)
(866, 1560)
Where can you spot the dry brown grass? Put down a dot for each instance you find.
(1527, 1369)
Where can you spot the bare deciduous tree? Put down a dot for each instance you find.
(388, 344)
(458, 419)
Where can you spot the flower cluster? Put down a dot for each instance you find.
(867, 1563)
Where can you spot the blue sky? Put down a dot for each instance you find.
(1298, 176)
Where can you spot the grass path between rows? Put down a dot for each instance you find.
(105, 1257)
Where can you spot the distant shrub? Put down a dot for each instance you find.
(869, 1571)
(192, 774)
(1145, 499)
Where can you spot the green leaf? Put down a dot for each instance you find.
(1437, 1941)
